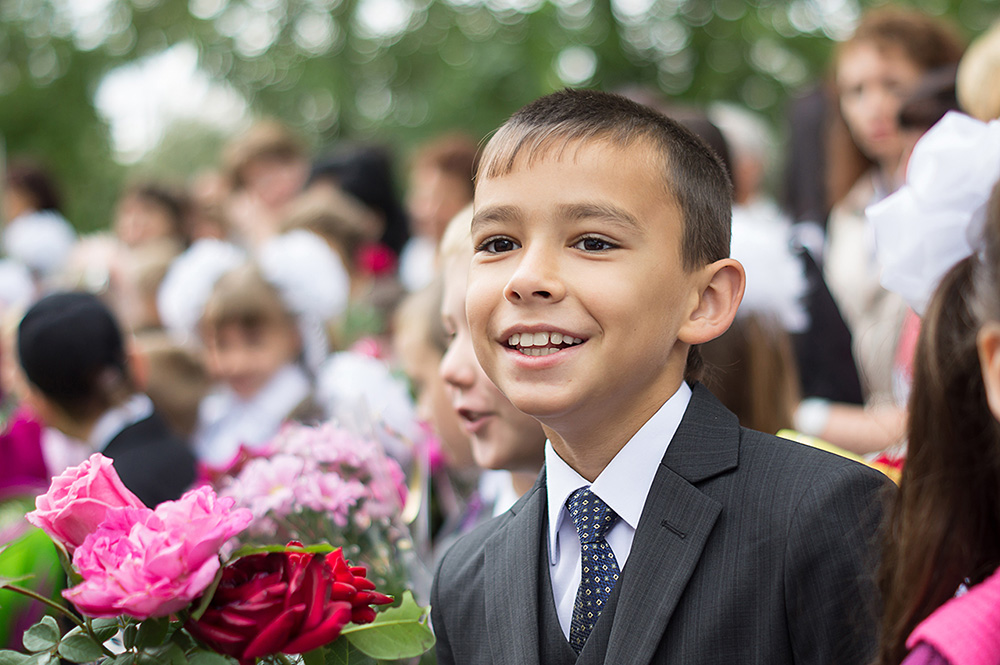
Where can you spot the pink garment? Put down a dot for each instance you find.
(966, 629)
(924, 654)
(23, 469)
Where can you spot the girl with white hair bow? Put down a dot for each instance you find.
(261, 321)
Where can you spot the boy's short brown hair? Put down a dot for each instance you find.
(692, 175)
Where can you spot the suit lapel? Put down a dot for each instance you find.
(676, 522)
(511, 582)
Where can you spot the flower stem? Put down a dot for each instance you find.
(45, 601)
(90, 629)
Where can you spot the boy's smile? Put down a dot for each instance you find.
(577, 296)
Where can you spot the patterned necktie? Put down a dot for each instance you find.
(599, 571)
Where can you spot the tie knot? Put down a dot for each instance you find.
(591, 516)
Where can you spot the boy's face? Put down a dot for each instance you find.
(245, 358)
(577, 293)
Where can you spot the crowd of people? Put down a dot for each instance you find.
(282, 288)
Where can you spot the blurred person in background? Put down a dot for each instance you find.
(35, 233)
(419, 344)
(441, 184)
(978, 72)
(80, 381)
(150, 212)
(875, 70)
(348, 227)
(267, 167)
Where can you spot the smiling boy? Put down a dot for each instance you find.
(659, 531)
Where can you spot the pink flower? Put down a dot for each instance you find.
(78, 499)
(147, 563)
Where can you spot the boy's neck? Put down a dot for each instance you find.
(589, 447)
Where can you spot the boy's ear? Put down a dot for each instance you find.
(719, 292)
(988, 344)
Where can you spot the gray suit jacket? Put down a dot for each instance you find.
(750, 549)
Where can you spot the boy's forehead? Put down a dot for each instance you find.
(570, 159)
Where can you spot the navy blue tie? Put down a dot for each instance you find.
(599, 571)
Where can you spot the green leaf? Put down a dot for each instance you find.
(170, 654)
(80, 648)
(399, 632)
(129, 636)
(8, 657)
(342, 652)
(314, 657)
(152, 632)
(43, 658)
(208, 658)
(104, 629)
(42, 636)
(183, 640)
(127, 658)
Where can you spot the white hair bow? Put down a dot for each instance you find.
(934, 220)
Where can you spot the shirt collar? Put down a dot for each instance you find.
(626, 480)
(136, 408)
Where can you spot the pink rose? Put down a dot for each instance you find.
(78, 500)
(152, 563)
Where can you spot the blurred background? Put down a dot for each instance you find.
(99, 88)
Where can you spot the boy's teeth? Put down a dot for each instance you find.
(528, 339)
(539, 351)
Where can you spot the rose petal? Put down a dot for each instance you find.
(273, 637)
(327, 631)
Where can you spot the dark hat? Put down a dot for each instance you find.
(64, 342)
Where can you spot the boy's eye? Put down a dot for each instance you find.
(497, 245)
(594, 244)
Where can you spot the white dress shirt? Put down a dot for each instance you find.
(623, 485)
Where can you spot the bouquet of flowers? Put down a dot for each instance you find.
(165, 583)
(325, 484)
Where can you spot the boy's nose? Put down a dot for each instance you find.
(536, 278)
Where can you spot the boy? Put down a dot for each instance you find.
(601, 232)
(73, 355)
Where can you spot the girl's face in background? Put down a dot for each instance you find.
(420, 362)
(872, 83)
(502, 437)
(246, 358)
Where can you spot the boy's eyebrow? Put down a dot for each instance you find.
(606, 211)
(572, 211)
(502, 213)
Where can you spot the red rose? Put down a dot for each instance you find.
(285, 602)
